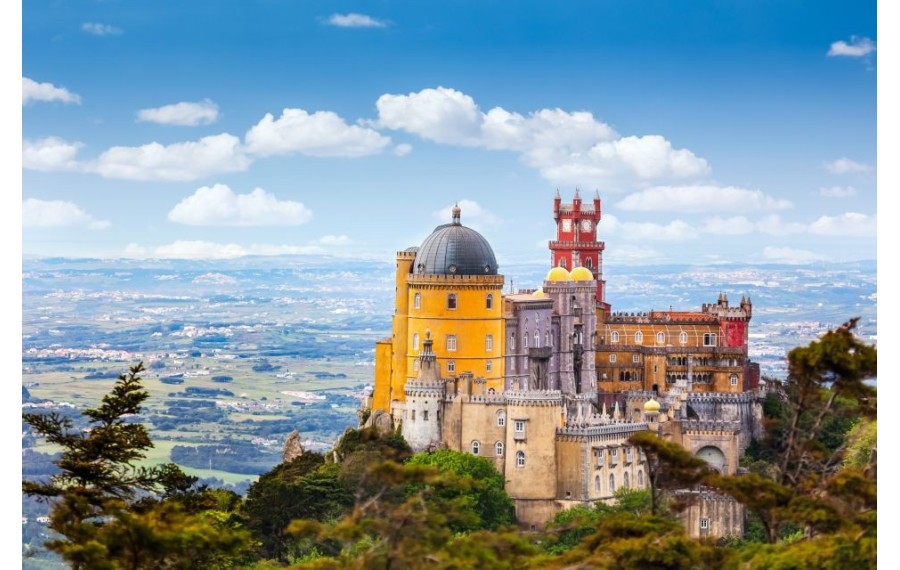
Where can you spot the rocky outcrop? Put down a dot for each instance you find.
(292, 447)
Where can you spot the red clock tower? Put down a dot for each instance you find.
(576, 242)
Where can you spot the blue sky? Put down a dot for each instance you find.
(713, 131)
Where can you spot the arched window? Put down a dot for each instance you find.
(476, 448)
(589, 263)
(498, 449)
(614, 336)
(417, 301)
(626, 482)
(734, 380)
(547, 339)
(489, 301)
(660, 338)
(638, 337)
(451, 300)
(682, 338)
(520, 459)
(640, 479)
(416, 341)
(489, 366)
(512, 341)
(501, 418)
(612, 483)
(597, 483)
(451, 366)
(525, 339)
(537, 339)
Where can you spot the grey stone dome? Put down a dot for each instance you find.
(453, 249)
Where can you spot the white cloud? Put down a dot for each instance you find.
(790, 255)
(50, 154)
(187, 249)
(98, 29)
(844, 165)
(676, 230)
(179, 161)
(700, 198)
(334, 240)
(219, 206)
(847, 224)
(566, 147)
(184, 113)
(403, 149)
(626, 254)
(775, 226)
(57, 213)
(322, 133)
(858, 47)
(34, 91)
(838, 192)
(737, 225)
(472, 214)
(353, 20)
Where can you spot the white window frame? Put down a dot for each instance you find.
(683, 337)
(612, 358)
(498, 449)
(660, 338)
(734, 379)
(501, 418)
(476, 447)
(489, 301)
(639, 338)
(451, 343)
(452, 301)
(489, 366)
(614, 336)
(709, 339)
(417, 301)
(415, 341)
(489, 343)
(636, 358)
(451, 366)
(520, 459)
(704, 523)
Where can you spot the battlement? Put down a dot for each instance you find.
(494, 281)
(619, 428)
(711, 426)
(533, 397)
(661, 317)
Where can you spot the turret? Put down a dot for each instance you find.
(576, 202)
(557, 201)
(597, 205)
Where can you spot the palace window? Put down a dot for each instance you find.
(425, 415)
(512, 341)
(525, 339)
(476, 447)
(520, 459)
(488, 365)
(489, 301)
(451, 342)
(451, 366)
(636, 358)
(597, 483)
(638, 337)
(640, 480)
(417, 301)
(413, 415)
(547, 339)
(612, 483)
(612, 358)
(537, 339)
(451, 300)
(709, 339)
(562, 262)
(589, 263)
(416, 341)
(734, 380)
(598, 457)
(501, 418)
(498, 449)
(682, 338)
(625, 481)
(520, 429)
(614, 336)
(660, 338)
(704, 523)
(488, 342)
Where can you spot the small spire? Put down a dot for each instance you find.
(577, 193)
(455, 213)
(596, 194)
(557, 194)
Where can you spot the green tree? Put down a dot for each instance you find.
(570, 526)
(669, 467)
(486, 497)
(111, 514)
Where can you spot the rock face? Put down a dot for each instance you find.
(381, 421)
(292, 447)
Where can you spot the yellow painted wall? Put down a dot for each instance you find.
(381, 393)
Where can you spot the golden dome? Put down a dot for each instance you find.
(558, 274)
(582, 274)
(539, 292)
(651, 406)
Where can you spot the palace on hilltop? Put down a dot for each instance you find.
(549, 383)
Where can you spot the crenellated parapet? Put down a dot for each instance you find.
(614, 431)
(711, 426)
(533, 397)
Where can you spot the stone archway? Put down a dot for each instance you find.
(714, 456)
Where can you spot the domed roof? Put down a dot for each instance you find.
(582, 274)
(453, 249)
(539, 293)
(558, 274)
(651, 406)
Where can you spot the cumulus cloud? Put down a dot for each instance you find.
(847, 224)
(775, 226)
(676, 230)
(626, 254)
(57, 213)
(566, 147)
(700, 198)
(34, 91)
(99, 29)
(202, 112)
(334, 240)
(858, 47)
(471, 214)
(179, 161)
(322, 133)
(844, 165)
(49, 154)
(790, 255)
(196, 249)
(838, 192)
(353, 20)
(220, 206)
(403, 149)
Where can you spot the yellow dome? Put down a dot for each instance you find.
(651, 406)
(539, 292)
(582, 274)
(558, 274)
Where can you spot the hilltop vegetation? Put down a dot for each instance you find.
(371, 503)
